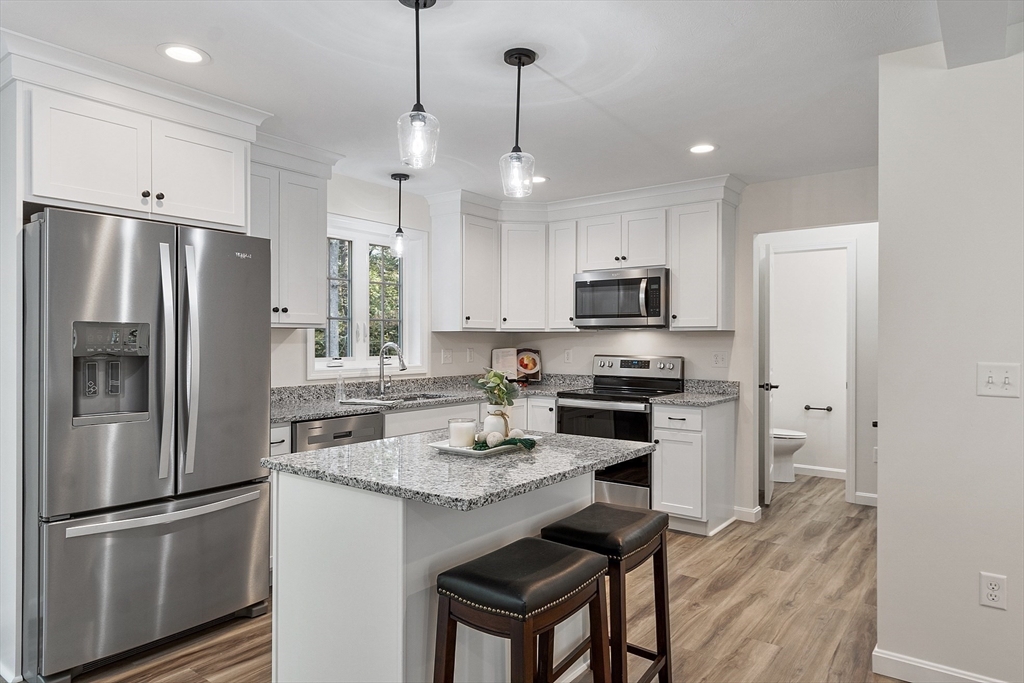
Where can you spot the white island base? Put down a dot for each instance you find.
(355, 597)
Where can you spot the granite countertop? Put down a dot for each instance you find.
(406, 467)
(701, 393)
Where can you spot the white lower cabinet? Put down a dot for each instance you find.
(404, 422)
(692, 470)
(281, 438)
(541, 416)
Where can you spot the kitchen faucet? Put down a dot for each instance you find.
(401, 362)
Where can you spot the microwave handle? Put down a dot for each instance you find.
(643, 297)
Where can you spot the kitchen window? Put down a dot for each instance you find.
(374, 296)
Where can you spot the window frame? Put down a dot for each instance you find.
(414, 304)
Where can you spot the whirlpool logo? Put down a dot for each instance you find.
(243, 255)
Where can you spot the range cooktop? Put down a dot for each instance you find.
(632, 378)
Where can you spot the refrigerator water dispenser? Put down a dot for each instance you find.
(111, 369)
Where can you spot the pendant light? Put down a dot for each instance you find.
(399, 242)
(517, 166)
(418, 130)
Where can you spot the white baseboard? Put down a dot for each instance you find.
(748, 514)
(815, 471)
(581, 666)
(915, 670)
(866, 499)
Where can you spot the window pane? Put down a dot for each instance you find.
(339, 255)
(375, 304)
(334, 340)
(375, 337)
(392, 302)
(375, 261)
(392, 266)
(391, 332)
(337, 339)
(338, 305)
(320, 343)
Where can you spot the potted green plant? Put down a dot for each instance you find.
(500, 395)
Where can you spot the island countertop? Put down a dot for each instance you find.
(407, 467)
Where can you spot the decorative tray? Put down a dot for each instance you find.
(497, 450)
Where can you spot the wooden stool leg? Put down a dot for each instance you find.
(444, 647)
(617, 598)
(599, 636)
(524, 669)
(546, 657)
(664, 635)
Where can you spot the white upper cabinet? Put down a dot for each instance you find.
(291, 210)
(561, 268)
(523, 276)
(629, 240)
(200, 174)
(480, 273)
(93, 153)
(701, 240)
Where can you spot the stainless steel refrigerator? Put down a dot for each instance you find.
(147, 408)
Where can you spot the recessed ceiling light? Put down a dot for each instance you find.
(702, 149)
(539, 179)
(183, 53)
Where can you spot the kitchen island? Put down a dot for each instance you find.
(360, 533)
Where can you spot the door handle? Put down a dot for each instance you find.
(165, 518)
(166, 429)
(767, 386)
(643, 296)
(193, 357)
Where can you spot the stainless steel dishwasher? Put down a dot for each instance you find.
(337, 431)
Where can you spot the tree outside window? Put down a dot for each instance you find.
(385, 298)
(335, 341)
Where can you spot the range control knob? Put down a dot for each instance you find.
(661, 366)
(671, 366)
(601, 364)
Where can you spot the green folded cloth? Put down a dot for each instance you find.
(528, 444)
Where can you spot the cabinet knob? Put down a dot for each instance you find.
(618, 258)
(284, 310)
(504, 320)
(657, 441)
(275, 309)
(674, 316)
(159, 195)
(571, 318)
(467, 317)
(623, 258)
(145, 193)
(551, 410)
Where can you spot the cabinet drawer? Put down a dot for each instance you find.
(281, 439)
(678, 418)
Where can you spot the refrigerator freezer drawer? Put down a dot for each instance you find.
(116, 581)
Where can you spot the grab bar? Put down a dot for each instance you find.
(826, 408)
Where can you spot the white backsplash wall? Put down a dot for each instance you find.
(808, 347)
(695, 347)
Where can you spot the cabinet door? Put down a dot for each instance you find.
(480, 273)
(89, 152)
(643, 238)
(677, 471)
(541, 415)
(202, 175)
(264, 221)
(561, 268)
(599, 243)
(302, 251)
(400, 423)
(523, 276)
(694, 253)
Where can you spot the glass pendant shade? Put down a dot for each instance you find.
(517, 174)
(398, 245)
(417, 139)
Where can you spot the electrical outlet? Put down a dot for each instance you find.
(470, 355)
(992, 590)
(720, 360)
(568, 355)
(446, 356)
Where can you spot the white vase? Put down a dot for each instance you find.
(496, 420)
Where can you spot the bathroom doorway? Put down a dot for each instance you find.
(815, 339)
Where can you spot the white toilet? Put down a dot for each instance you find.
(787, 442)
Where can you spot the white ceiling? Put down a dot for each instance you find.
(620, 91)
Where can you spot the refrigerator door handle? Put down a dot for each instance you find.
(166, 518)
(166, 429)
(193, 357)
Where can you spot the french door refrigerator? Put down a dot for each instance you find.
(147, 408)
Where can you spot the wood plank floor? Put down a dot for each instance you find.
(791, 598)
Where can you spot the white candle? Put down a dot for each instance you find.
(461, 432)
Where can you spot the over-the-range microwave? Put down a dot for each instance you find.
(626, 297)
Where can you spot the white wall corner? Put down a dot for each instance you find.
(914, 670)
(751, 515)
(866, 499)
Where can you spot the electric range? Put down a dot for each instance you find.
(618, 406)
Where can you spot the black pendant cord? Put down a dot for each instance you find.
(519, 85)
(418, 106)
(399, 231)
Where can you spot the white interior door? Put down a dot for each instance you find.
(767, 444)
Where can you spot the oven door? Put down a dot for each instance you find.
(627, 483)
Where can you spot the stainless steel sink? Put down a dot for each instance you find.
(420, 397)
(393, 399)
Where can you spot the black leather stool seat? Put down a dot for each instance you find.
(612, 530)
(523, 578)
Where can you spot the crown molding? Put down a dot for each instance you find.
(40, 63)
(294, 156)
(463, 202)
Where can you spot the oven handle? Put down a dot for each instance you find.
(605, 405)
(643, 298)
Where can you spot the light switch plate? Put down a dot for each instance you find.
(999, 379)
(470, 355)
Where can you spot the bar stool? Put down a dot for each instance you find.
(520, 592)
(627, 536)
